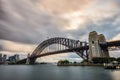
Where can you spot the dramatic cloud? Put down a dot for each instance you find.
(16, 47)
(26, 23)
(64, 6)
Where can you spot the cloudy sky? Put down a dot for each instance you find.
(26, 23)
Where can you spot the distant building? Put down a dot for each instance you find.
(0, 57)
(16, 57)
(4, 58)
(13, 58)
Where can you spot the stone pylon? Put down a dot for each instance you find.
(94, 47)
(28, 60)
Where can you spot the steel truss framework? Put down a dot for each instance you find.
(69, 43)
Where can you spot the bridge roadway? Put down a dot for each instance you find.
(55, 52)
(103, 45)
(62, 51)
(110, 44)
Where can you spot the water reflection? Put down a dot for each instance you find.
(53, 72)
(115, 74)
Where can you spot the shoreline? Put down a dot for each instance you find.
(80, 65)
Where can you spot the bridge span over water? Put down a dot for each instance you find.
(95, 47)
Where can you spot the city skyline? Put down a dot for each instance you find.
(26, 23)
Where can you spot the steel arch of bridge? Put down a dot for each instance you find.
(62, 41)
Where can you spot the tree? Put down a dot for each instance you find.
(118, 59)
(74, 62)
(60, 62)
(102, 60)
(66, 61)
(63, 62)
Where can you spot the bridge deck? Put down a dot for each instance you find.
(56, 52)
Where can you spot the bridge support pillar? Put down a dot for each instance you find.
(28, 60)
(32, 61)
(94, 47)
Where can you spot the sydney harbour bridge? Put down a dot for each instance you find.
(97, 46)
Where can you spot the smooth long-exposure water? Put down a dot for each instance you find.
(53, 72)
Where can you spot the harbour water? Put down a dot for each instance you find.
(53, 72)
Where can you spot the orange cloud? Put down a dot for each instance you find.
(16, 47)
(64, 6)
